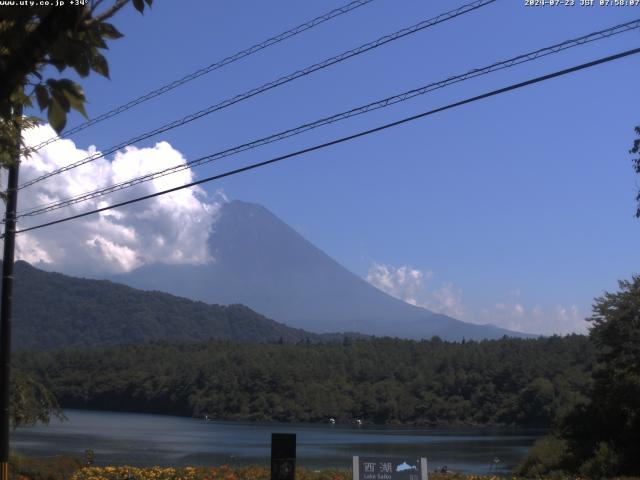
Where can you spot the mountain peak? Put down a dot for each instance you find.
(262, 262)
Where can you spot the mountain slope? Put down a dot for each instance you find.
(54, 310)
(263, 263)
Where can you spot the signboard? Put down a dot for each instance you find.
(283, 456)
(386, 468)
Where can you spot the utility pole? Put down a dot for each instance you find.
(7, 296)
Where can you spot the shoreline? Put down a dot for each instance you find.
(365, 423)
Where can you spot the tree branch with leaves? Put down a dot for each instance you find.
(635, 150)
(35, 38)
(33, 42)
(31, 402)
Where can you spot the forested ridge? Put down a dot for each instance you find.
(79, 312)
(382, 380)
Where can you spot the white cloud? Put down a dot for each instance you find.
(410, 285)
(405, 283)
(172, 228)
(414, 287)
(448, 300)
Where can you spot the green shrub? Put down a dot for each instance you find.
(57, 468)
(603, 464)
(545, 458)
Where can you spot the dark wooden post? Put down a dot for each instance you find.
(5, 307)
(283, 456)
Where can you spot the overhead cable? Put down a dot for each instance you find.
(208, 69)
(347, 138)
(273, 84)
(523, 58)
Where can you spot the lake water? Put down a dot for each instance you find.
(143, 440)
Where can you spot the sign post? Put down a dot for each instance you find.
(283, 456)
(385, 468)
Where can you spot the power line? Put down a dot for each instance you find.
(273, 84)
(527, 57)
(253, 166)
(210, 68)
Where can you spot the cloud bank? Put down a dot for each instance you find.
(417, 287)
(172, 228)
(557, 319)
(411, 285)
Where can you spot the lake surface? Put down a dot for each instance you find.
(143, 440)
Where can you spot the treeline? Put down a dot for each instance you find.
(499, 382)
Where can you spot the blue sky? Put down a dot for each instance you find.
(519, 203)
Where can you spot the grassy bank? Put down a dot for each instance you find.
(68, 468)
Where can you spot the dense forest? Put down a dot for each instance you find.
(383, 380)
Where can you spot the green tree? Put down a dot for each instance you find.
(604, 433)
(536, 403)
(31, 402)
(635, 150)
(33, 39)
